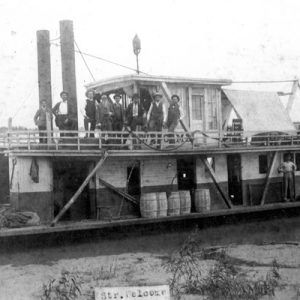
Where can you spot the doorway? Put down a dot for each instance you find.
(134, 180)
(67, 177)
(186, 174)
(235, 179)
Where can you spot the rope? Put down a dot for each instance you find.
(149, 146)
(23, 102)
(85, 62)
(105, 60)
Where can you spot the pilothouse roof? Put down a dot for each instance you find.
(114, 82)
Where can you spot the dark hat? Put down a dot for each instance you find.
(136, 96)
(97, 97)
(175, 96)
(63, 92)
(87, 92)
(157, 94)
(117, 96)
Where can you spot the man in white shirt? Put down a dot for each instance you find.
(288, 169)
(60, 110)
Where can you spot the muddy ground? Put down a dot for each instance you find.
(136, 259)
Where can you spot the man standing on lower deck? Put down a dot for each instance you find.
(288, 168)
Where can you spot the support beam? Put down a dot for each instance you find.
(68, 67)
(168, 95)
(79, 191)
(268, 178)
(292, 96)
(44, 74)
(214, 178)
(115, 190)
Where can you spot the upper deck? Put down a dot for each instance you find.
(142, 143)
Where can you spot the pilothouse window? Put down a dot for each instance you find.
(197, 107)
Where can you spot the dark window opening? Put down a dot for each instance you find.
(297, 159)
(263, 163)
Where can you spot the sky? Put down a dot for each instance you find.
(233, 39)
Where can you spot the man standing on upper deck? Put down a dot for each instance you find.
(104, 114)
(62, 119)
(41, 119)
(174, 115)
(135, 114)
(119, 114)
(288, 168)
(90, 113)
(157, 115)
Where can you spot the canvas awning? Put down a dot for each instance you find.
(260, 111)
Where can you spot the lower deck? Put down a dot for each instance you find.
(98, 224)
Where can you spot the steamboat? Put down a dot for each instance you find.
(221, 159)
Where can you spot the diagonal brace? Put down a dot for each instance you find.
(268, 178)
(214, 178)
(80, 189)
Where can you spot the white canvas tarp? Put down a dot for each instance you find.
(260, 111)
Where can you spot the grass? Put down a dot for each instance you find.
(66, 287)
(71, 286)
(224, 279)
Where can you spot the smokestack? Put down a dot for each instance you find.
(68, 66)
(44, 68)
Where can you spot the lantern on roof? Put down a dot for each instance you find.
(136, 43)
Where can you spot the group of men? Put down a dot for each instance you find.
(102, 113)
(108, 116)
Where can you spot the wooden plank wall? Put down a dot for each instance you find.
(158, 174)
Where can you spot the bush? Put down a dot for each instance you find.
(224, 279)
(67, 287)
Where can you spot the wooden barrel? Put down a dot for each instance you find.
(174, 204)
(202, 200)
(185, 202)
(148, 205)
(162, 204)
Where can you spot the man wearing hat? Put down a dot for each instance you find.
(288, 169)
(119, 114)
(173, 116)
(104, 113)
(41, 119)
(90, 113)
(135, 114)
(157, 115)
(60, 111)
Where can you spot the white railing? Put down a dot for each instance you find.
(141, 140)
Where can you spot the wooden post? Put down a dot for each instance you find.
(68, 67)
(292, 95)
(268, 178)
(9, 126)
(44, 74)
(213, 176)
(80, 189)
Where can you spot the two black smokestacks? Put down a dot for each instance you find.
(67, 64)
